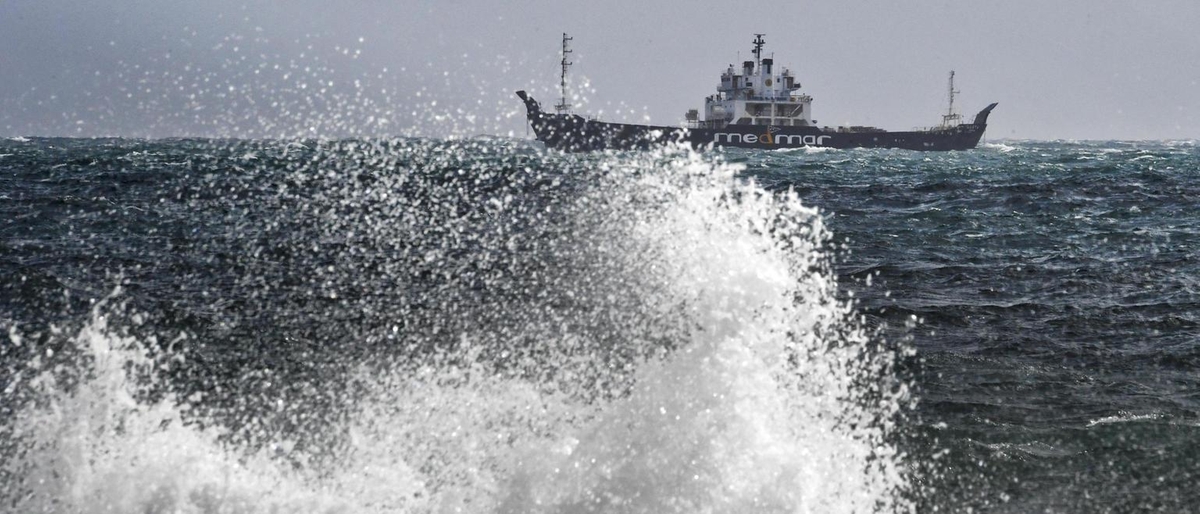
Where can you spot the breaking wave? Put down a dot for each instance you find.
(670, 340)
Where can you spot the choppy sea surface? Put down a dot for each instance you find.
(480, 325)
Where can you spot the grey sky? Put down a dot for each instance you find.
(1074, 69)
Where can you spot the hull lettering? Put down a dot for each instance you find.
(771, 139)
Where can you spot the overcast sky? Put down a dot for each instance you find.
(1064, 69)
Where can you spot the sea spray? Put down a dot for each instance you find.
(759, 409)
(93, 438)
(769, 399)
(629, 332)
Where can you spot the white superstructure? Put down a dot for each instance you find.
(756, 96)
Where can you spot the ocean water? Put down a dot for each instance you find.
(479, 325)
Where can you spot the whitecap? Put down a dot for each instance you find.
(1123, 417)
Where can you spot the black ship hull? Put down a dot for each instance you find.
(574, 133)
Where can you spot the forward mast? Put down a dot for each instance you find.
(563, 106)
(951, 118)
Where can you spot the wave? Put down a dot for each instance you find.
(674, 342)
(1123, 417)
(1000, 147)
(806, 150)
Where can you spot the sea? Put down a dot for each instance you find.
(481, 325)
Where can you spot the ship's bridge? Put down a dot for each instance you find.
(755, 96)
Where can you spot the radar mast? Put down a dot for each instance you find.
(562, 103)
(951, 118)
(758, 45)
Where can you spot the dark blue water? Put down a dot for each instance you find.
(1058, 287)
(419, 326)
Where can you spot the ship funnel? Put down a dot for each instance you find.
(766, 66)
(748, 68)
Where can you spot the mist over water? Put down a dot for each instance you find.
(430, 326)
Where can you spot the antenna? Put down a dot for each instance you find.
(758, 44)
(562, 104)
(951, 117)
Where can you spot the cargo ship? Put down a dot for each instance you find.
(756, 106)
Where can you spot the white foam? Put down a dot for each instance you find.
(769, 402)
(101, 447)
(806, 149)
(1123, 417)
